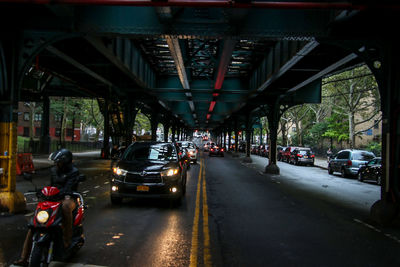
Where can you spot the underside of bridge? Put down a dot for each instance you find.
(195, 65)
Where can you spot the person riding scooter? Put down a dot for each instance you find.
(65, 177)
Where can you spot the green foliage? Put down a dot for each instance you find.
(375, 147)
(142, 122)
(337, 128)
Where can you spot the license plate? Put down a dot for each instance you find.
(142, 188)
(306, 157)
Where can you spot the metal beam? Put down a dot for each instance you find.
(224, 61)
(79, 66)
(176, 52)
(271, 68)
(126, 58)
(323, 72)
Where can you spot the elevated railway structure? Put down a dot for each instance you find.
(215, 65)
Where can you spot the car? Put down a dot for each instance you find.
(149, 169)
(206, 146)
(254, 149)
(287, 152)
(302, 155)
(191, 148)
(372, 171)
(216, 150)
(279, 151)
(263, 151)
(348, 161)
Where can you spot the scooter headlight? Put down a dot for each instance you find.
(42, 216)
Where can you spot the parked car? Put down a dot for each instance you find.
(279, 151)
(372, 171)
(287, 152)
(348, 162)
(254, 149)
(192, 149)
(216, 150)
(242, 146)
(149, 169)
(302, 155)
(263, 151)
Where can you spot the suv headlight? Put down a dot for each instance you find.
(119, 172)
(42, 216)
(170, 172)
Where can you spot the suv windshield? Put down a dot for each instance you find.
(161, 152)
(187, 145)
(364, 155)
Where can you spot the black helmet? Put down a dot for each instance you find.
(61, 156)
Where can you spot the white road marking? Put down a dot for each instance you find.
(106, 182)
(394, 238)
(85, 192)
(29, 214)
(97, 186)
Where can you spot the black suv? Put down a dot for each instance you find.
(149, 169)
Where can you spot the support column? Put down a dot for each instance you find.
(224, 133)
(45, 127)
(273, 123)
(173, 132)
(179, 134)
(386, 70)
(10, 199)
(236, 131)
(106, 146)
(229, 139)
(154, 124)
(248, 159)
(166, 131)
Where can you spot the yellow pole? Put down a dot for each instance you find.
(10, 199)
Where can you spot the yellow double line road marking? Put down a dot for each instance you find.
(194, 252)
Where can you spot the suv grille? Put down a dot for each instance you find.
(139, 179)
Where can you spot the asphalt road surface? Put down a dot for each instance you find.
(232, 215)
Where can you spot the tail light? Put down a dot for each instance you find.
(222, 149)
(349, 163)
(212, 149)
(312, 156)
(300, 155)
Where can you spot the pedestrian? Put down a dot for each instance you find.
(329, 154)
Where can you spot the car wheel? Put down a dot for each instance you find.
(360, 177)
(379, 180)
(343, 173)
(330, 171)
(116, 200)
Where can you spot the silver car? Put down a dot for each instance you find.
(191, 148)
(348, 161)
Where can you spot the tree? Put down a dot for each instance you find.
(356, 98)
(337, 128)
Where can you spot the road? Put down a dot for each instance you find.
(232, 215)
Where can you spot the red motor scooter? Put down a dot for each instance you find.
(46, 227)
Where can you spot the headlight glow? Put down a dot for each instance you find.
(42, 216)
(119, 171)
(170, 172)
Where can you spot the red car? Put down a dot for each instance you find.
(287, 153)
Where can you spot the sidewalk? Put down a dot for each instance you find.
(319, 162)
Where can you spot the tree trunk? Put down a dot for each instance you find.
(283, 129)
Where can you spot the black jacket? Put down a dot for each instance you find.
(66, 180)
